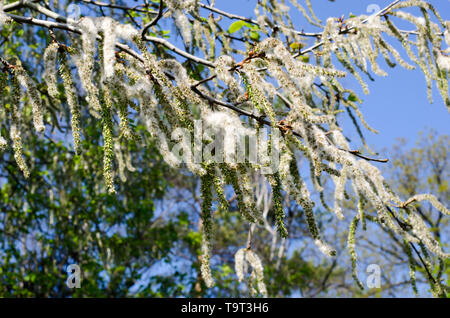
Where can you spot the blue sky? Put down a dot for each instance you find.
(397, 105)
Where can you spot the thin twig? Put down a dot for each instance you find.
(16, 5)
(115, 6)
(178, 51)
(155, 20)
(249, 238)
(358, 154)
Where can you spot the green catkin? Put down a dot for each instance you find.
(309, 5)
(436, 287)
(412, 267)
(258, 99)
(441, 269)
(412, 56)
(275, 183)
(351, 248)
(16, 126)
(210, 39)
(327, 42)
(171, 116)
(122, 105)
(332, 99)
(395, 54)
(324, 204)
(121, 100)
(352, 104)
(307, 206)
(247, 190)
(330, 171)
(107, 131)
(231, 178)
(361, 211)
(443, 85)
(3, 85)
(372, 55)
(122, 70)
(386, 56)
(72, 101)
(179, 103)
(3, 82)
(305, 14)
(207, 181)
(352, 70)
(108, 143)
(358, 130)
(315, 169)
(50, 57)
(33, 95)
(219, 187)
(198, 36)
(212, 44)
(361, 66)
(421, 4)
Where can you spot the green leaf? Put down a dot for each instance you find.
(254, 35)
(236, 26)
(296, 46)
(352, 98)
(305, 58)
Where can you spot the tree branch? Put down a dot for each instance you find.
(17, 5)
(126, 49)
(120, 7)
(155, 20)
(178, 51)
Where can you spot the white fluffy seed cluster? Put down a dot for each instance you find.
(50, 73)
(4, 18)
(3, 143)
(325, 248)
(432, 199)
(34, 97)
(420, 229)
(205, 268)
(178, 10)
(231, 126)
(107, 27)
(239, 264)
(242, 260)
(223, 64)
